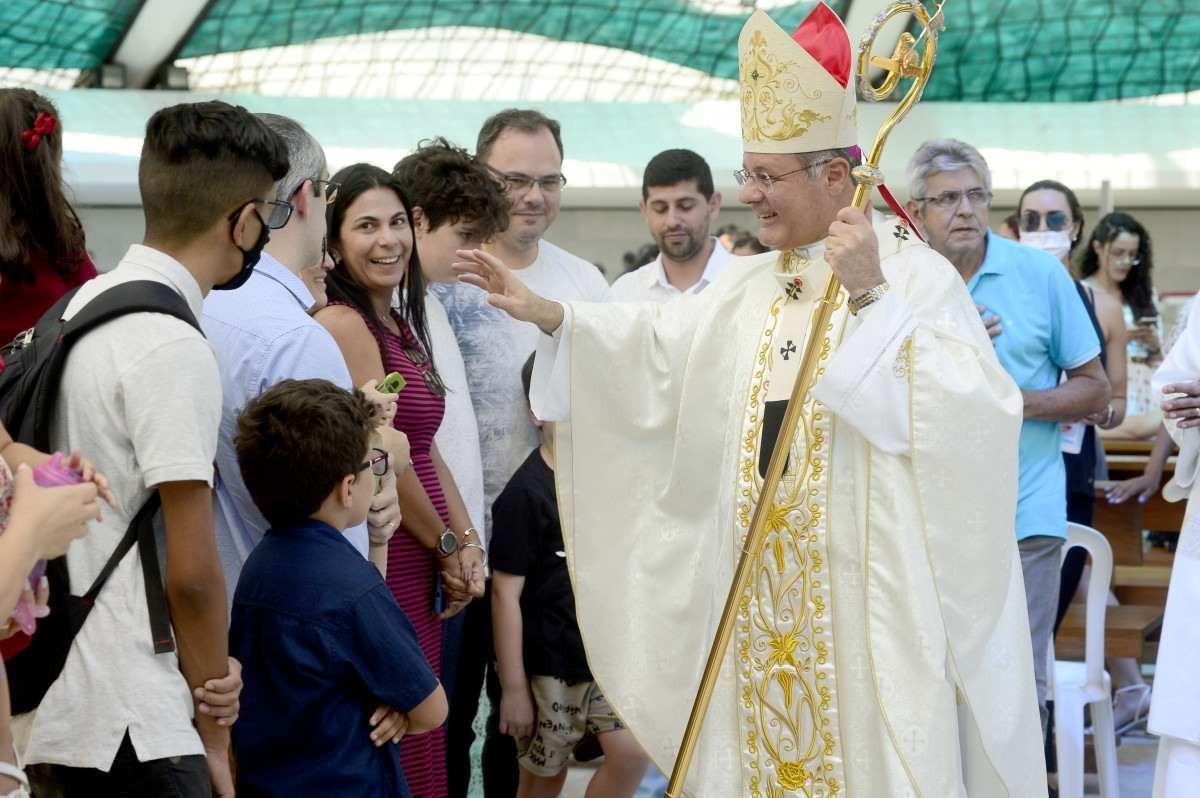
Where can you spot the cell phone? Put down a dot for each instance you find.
(439, 595)
(392, 383)
(1149, 321)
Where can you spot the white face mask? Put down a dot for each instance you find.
(1054, 242)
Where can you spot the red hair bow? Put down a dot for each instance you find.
(43, 125)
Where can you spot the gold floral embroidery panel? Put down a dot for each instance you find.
(784, 637)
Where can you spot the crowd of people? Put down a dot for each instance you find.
(360, 531)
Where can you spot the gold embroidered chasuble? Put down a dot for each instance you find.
(882, 648)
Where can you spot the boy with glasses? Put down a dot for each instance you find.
(322, 640)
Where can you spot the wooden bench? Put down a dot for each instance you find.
(1142, 584)
(1126, 628)
(1121, 524)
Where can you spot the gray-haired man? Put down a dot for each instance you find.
(1040, 329)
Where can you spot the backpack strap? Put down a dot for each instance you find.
(138, 296)
(141, 531)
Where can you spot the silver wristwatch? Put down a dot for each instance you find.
(447, 543)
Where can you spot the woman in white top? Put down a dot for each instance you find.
(1118, 262)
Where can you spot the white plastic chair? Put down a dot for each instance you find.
(1076, 684)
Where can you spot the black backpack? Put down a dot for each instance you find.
(29, 387)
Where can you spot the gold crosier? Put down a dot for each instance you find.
(905, 62)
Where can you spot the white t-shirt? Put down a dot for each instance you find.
(649, 283)
(495, 347)
(141, 397)
(457, 438)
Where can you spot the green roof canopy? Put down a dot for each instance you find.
(62, 34)
(991, 50)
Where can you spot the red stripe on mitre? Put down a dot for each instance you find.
(824, 37)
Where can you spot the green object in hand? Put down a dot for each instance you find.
(392, 383)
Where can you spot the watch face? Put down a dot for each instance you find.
(448, 544)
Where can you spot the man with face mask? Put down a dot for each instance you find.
(141, 395)
(680, 206)
(1040, 329)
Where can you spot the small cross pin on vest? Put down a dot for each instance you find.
(901, 232)
(788, 349)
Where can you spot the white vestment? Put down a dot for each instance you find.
(1175, 707)
(883, 647)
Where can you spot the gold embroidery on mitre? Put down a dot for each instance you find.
(766, 80)
(784, 633)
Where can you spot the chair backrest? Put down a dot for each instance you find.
(1097, 595)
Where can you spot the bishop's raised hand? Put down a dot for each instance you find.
(505, 290)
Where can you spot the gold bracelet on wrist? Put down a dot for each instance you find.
(868, 297)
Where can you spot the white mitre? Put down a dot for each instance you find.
(798, 91)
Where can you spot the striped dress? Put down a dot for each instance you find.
(412, 567)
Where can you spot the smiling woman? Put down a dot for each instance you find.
(375, 260)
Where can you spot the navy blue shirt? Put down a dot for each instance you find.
(322, 643)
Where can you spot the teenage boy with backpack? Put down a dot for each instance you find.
(142, 395)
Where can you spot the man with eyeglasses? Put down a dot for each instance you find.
(523, 149)
(881, 647)
(1041, 331)
(262, 333)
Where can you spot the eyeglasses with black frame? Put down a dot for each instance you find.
(278, 212)
(330, 188)
(977, 197)
(379, 462)
(520, 184)
(1031, 221)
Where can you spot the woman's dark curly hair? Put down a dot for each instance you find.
(1136, 289)
(353, 182)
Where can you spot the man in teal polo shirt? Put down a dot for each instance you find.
(1040, 329)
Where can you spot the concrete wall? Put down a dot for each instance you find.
(603, 235)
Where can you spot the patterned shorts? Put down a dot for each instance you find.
(564, 713)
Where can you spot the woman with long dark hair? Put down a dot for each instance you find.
(1116, 265)
(42, 254)
(436, 558)
(1118, 262)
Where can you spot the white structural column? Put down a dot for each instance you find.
(154, 36)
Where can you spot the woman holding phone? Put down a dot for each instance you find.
(436, 551)
(1118, 262)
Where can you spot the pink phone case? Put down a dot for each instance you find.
(50, 474)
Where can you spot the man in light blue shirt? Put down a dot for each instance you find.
(262, 333)
(1041, 330)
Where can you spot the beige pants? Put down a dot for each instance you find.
(564, 713)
